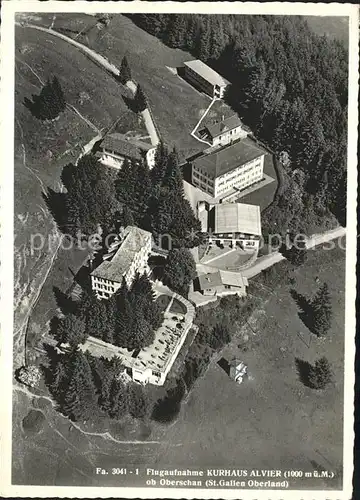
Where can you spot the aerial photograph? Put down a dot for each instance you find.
(179, 254)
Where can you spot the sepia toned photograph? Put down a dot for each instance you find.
(180, 239)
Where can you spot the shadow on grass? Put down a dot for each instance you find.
(64, 302)
(306, 311)
(167, 409)
(56, 203)
(131, 103)
(83, 279)
(225, 365)
(304, 368)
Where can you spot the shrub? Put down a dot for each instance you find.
(29, 375)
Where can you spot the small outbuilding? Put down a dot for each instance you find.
(238, 370)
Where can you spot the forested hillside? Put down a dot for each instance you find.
(290, 86)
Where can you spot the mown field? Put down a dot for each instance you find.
(175, 104)
(272, 420)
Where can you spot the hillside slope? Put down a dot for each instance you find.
(42, 149)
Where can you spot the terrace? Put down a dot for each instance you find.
(160, 355)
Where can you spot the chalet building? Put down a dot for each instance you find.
(127, 256)
(115, 148)
(221, 283)
(205, 78)
(224, 132)
(232, 224)
(226, 171)
(150, 365)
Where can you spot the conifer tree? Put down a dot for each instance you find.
(321, 311)
(80, 400)
(140, 101)
(161, 161)
(137, 401)
(320, 374)
(90, 197)
(58, 381)
(118, 400)
(125, 72)
(71, 329)
(179, 270)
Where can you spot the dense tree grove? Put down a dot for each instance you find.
(128, 319)
(179, 270)
(155, 199)
(90, 199)
(84, 386)
(290, 86)
(49, 103)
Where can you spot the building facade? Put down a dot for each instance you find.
(127, 257)
(224, 132)
(231, 168)
(205, 78)
(115, 148)
(235, 225)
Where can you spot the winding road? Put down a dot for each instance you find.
(315, 240)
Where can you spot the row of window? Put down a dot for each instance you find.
(203, 178)
(231, 132)
(204, 187)
(109, 288)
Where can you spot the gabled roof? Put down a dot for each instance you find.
(119, 143)
(233, 279)
(209, 280)
(219, 278)
(223, 126)
(236, 218)
(220, 161)
(206, 72)
(134, 239)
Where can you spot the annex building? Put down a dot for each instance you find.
(205, 78)
(221, 283)
(127, 256)
(224, 132)
(232, 224)
(116, 147)
(224, 172)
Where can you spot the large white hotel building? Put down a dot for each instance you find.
(230, 169)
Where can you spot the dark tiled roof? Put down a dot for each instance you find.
(132, 148)
(114, 269)
(227, 124)
(221, 161)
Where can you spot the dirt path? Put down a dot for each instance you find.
(199, 122)
(108, 66)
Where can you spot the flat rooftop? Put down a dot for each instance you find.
(217, 162)
(235, 218)
(134, 239)
(206, 72)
